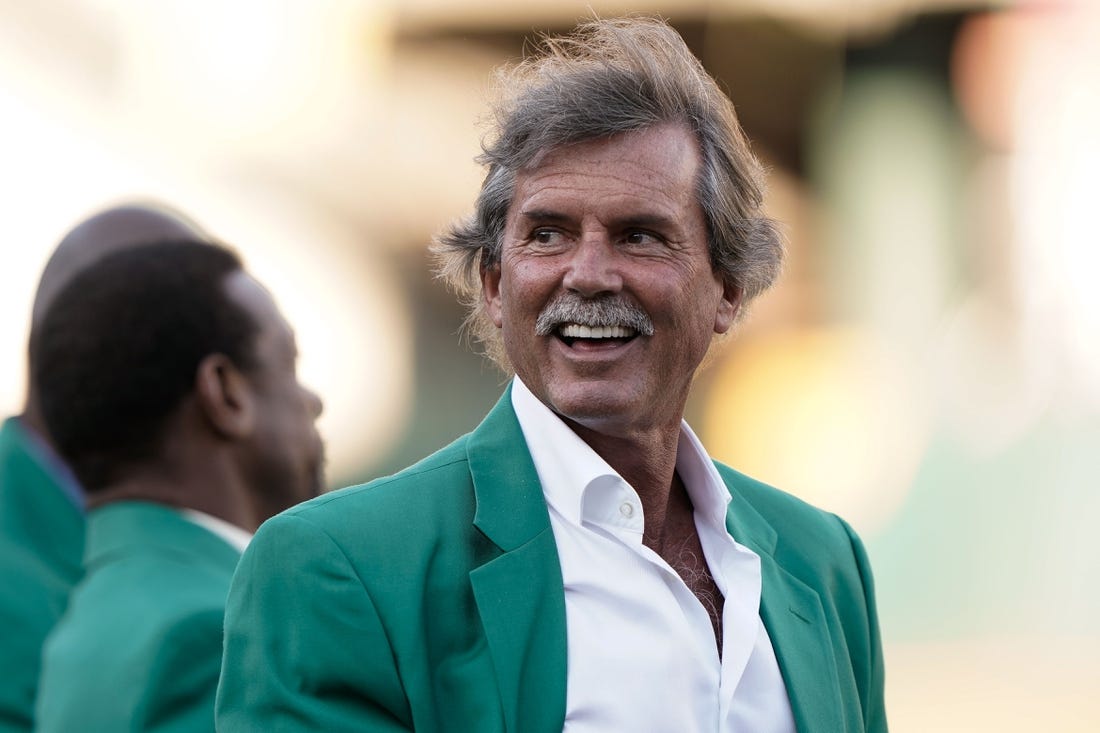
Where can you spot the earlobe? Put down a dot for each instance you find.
(728, 307)
(225, 397)
(490, 293)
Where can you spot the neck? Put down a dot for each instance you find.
(161, 485)
(646, 461)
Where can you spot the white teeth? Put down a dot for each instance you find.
(577, 331)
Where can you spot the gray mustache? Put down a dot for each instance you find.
(610, 311)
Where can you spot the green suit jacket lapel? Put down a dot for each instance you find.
(795, 621)
(519, 594)
(522, 605)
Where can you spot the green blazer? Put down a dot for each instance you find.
(432, 600)
(139, 647)
(41, 541)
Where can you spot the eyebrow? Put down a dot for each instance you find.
(647, 221)
(550, 216)
(547, 215)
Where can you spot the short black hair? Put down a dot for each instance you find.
(118, 350)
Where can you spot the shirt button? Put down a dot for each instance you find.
(626, 509)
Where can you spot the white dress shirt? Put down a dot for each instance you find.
(237, 537)
(641, 648)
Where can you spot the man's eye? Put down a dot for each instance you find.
(642, 238)
(544, 236)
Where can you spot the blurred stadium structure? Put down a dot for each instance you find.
(929, 366)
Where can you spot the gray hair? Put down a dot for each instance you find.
(610, 77)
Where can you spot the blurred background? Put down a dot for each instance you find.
(928, 367)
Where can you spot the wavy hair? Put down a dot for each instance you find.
(612, 76)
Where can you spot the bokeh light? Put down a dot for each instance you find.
(827, 414)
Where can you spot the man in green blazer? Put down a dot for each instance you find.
(577, 562)
(41, 503)
(166, 377)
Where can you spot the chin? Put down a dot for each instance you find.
(590, 406)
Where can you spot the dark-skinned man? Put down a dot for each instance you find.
(41, 502)
(167, 379)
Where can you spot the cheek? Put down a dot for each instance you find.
(533, 283)
(514, 294)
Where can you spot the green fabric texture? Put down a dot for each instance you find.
(432, 600)
(139, 648)
(41, 541)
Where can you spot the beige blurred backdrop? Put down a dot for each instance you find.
(929, 366)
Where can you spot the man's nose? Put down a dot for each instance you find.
(593, 268)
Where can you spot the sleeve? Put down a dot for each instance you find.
(305, 648)
(870, 674)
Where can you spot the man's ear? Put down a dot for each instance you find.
(728, 307)
(490, 293)
(225, 397)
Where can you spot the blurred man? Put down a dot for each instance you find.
(41, 503)
(166, 377)
(576, 562)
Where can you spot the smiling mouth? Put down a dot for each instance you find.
(572, 333)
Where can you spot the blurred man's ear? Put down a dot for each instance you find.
(225, 397)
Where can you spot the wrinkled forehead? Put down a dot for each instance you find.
(661, 147)
(653, 168)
